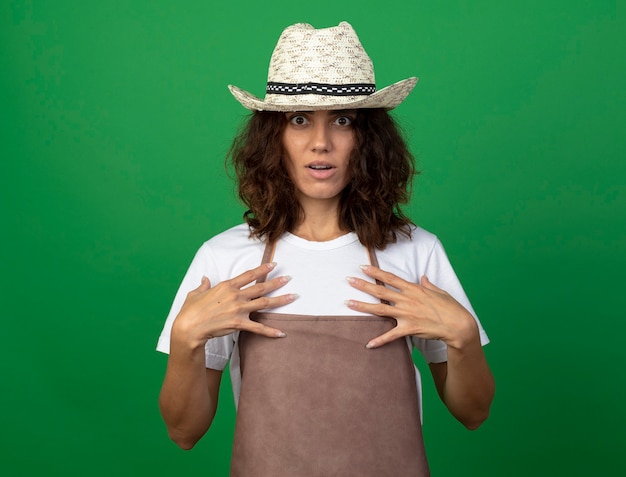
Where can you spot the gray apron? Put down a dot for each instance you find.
(319, 404)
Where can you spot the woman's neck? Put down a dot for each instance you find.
(318, 233)
(320, 223)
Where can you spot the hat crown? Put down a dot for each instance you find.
(332, 55)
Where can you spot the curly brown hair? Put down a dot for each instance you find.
(382, 169)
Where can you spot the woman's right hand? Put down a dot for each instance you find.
(209, 312)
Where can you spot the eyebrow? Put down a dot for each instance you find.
(331, 111)
(336, 112)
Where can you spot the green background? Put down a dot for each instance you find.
(115, 118)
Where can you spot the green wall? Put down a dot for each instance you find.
(114, 120)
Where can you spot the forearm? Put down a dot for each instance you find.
(468, 386)
(186, 403)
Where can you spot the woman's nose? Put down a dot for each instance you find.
(320, 140)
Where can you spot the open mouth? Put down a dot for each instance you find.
(319, 168)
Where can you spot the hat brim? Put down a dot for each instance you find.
(387, 98)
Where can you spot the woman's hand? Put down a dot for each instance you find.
(464, 381)
(209, 312)
(190, 391)
(422, 310)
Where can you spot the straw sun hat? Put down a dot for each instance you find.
(326, 68)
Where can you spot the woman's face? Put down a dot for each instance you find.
(318, 145)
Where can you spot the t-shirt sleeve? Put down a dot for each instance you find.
(440, 272)
(217, 350)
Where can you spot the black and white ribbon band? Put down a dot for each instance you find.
(360, 89)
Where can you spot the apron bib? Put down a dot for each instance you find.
(319, 404)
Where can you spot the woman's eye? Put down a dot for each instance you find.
(298, 120)
(343, 121)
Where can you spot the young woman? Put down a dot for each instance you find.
(317, 300)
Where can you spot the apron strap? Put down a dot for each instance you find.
(268, 254)
(374, 262)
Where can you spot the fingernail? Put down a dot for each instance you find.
(351, 280)
(204, 279)
(280, 334)
(285, 279)
(293, 296)
(270, 265)
(350, 303)
(370, 345)
(365, 268)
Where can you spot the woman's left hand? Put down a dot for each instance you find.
(464, 381)
(421, 310)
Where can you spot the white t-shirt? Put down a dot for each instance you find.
(318, 271)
